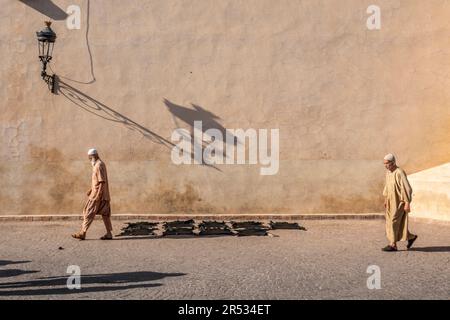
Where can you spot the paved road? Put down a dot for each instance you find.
(329, 261)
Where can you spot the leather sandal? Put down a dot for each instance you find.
(79, 236)
(411, 241)
(389, 248)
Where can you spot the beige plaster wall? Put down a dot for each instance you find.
(431, 193)
(341, 95)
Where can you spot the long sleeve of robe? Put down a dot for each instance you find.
(397, 191)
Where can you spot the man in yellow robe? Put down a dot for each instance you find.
(398, 196)
(98, 202)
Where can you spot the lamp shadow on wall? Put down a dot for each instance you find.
(209, 121)
(101, 110)
(46, 7)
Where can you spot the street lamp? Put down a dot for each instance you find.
(46, 40)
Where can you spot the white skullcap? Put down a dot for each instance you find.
(389, 157)
(92, 152)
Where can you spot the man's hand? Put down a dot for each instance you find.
(407, 207)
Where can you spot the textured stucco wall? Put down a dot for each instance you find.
(342, 96)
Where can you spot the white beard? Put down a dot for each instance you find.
(93, 162)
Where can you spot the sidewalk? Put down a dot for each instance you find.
(219, 217)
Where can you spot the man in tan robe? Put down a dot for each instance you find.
(398, 196)
(98, 198)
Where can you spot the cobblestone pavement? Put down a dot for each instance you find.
(329, 261)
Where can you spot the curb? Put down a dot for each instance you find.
(224, 217)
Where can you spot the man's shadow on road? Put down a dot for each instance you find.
(120, 281)
(8, 262)
(432, 249)
(6, 273)
(14, 272)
